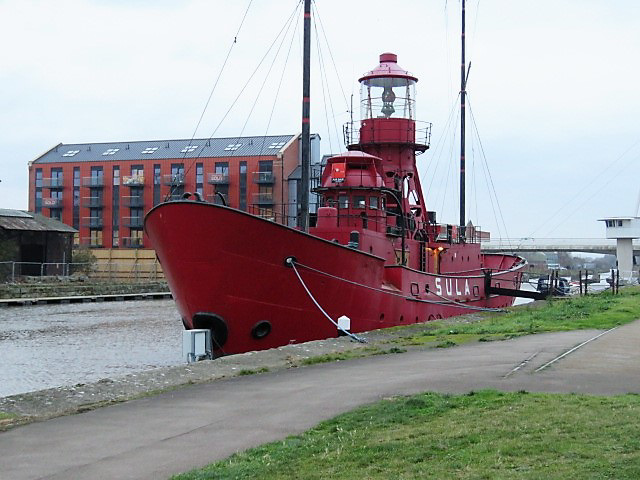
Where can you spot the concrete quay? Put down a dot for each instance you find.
(26, 301)
(157, 436)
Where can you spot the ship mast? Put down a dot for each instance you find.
(303, 215)
(463, 98)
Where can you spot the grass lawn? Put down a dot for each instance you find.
(597, 311)
(484, 435)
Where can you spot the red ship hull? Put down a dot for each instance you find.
(227, 271)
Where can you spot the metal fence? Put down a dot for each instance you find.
(122, 270)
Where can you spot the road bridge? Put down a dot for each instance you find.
(530, 244)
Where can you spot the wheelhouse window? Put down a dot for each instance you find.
(373, 203)
(343, 201)
(359, 201)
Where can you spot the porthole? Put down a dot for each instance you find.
(261, 329)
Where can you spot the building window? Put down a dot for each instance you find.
(115, 207)
(115, 238)
(76, 198)
(157, 181)
(243, 186)
(189, 149)
(71, 153)
(277, 145)
(38, 191)
(149, 150)
(199, 178)
(56, 178)
(95, 238)
(232, 147)
(373, 203)
(177, 180)
(110, 151)
(222, 168)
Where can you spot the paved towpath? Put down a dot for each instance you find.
(155, 437)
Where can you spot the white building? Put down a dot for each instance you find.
(624, 230)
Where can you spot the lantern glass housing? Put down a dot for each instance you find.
(387, 97)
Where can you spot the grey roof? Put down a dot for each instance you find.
(165, 149)
(34, 222)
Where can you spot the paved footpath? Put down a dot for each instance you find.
(155, 437)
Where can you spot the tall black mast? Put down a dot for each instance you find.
(303, 218)
(463, 99)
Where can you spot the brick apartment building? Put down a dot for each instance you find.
(104, 189)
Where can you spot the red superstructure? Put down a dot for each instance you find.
(375, 256)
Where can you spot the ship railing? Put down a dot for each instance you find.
(351, 132)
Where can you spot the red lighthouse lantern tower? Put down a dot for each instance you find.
(387, 130)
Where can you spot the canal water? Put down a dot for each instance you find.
(48, 346)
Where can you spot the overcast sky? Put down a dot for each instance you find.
(553, 89)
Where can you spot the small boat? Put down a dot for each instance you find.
(374, 257)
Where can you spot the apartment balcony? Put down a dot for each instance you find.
(49, 203)
(174, 180)
(133, 180)
(218, 179)
(264, 199)
(132, 242)
(92, 202)
(264, 178)
(133, 222)
(52, 182)
(133, 201)
(92, 222)
(95, 182)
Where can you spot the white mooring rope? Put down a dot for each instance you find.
(291, 262)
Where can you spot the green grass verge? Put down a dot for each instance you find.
(253, 372)
(599, 311)
(483, 435)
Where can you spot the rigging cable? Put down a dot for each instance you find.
(275, 100)
(291, 262)
(324, 69)
(599, 176)
(323, 81)
(241, 91)
(485, 164)
(224, 64)
(264, 82)
(446, 301)
(254, 71)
